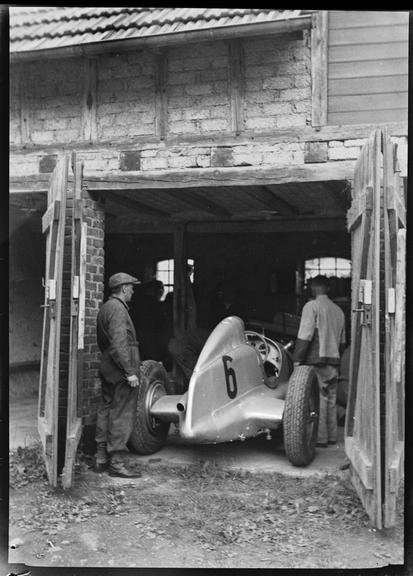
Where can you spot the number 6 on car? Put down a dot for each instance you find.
(243, 385)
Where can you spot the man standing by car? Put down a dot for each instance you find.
(320, 343)
(118, 373)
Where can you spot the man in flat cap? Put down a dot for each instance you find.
(118, 371)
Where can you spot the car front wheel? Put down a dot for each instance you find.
(300, 418)
(149, 434)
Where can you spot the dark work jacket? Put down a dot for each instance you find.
(117, 341)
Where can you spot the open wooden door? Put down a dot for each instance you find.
(77, 323)
(374, 421)
(394, 236)
(53, 225)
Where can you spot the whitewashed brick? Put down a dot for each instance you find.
(154, 163)
(355, 142)
(343, 153)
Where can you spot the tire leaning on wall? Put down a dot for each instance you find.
(300, 418)
(149, 435)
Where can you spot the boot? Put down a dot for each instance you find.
(118, 469)
(102, 459)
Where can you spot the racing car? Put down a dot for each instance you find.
(243, 385)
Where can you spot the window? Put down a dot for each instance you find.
(330, 266)
(165, 273)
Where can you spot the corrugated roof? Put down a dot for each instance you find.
(45, 28)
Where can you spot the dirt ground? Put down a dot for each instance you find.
(199, 515)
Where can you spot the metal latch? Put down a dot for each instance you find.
(365, 299)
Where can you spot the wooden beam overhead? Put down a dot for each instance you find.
(161, 96)
(279, 203)
(235, 58)
(89, 99)
(194, 199)
(205, 177)
(319, 47)
(282, 225)
(136, 206)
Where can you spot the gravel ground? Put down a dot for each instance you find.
(192, 516)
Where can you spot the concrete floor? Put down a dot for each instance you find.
(252, 455)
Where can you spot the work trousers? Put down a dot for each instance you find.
(327, 376)
(115, 416)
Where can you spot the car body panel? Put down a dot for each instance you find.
(228, 397)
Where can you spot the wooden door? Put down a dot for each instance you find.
(394, 238)
(53, 225)
(374, 431)
(77, 322)
(362, 429)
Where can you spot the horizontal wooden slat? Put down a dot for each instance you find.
(368, 102)
(364, 35)
(373, 85)
(351, 18)
(368, 116)
(368, 68)
(375, 51)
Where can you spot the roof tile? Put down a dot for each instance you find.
(37, 28)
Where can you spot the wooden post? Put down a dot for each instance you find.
(180, 261)
(236, 85)
(319, 68)
(161, 98)
(24, 106)
(89, 99)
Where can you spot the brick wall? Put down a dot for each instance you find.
(95, 219)
(277, 82)
(125, 95)
(54, 93)
(198, 89)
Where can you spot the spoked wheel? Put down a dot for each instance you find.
(149, 434)
(300, 418)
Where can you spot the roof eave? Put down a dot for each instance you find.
(171, 39)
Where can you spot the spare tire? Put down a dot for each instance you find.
(300, 418)
(149, 434)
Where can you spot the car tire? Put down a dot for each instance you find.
(148, 434)
(300, 418)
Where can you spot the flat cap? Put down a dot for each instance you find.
(121, 278)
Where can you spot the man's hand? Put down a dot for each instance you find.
(133, 381)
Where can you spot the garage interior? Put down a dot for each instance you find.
(255, 239)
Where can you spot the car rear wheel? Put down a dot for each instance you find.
(300, 418)
(149, 434)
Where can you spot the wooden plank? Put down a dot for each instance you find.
(367, 35)
(319, 47)
(273, 199)
(367, 18)
(25, 129)
(50, 358)
(374, 51)
(179, 292)
(89, 101)
(378, 116)
(224, 138)
(137, 206)
(282, 225)
(199, 202)
(366, 102)
(372, 85)
(367, 68)
(161, 97)
(236, 84)
(242, 176)
(360, 205)
(361, 462)
(51, 214)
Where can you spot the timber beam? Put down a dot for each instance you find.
(279, 226)
(244, 176)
